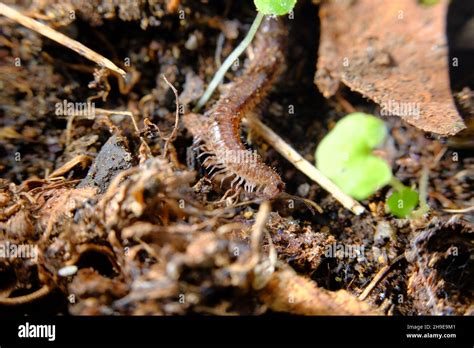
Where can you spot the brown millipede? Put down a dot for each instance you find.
(217, 133)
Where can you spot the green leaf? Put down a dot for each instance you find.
(428, 2)
(275, 7)
(362, 177)
(402, 203)
(345, 155)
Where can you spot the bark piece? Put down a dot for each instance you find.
(393, 52)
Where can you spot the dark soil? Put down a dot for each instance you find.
(148, 238)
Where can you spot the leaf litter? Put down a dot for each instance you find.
(124, 223)
(394, 53)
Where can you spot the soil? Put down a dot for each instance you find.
(149, 234)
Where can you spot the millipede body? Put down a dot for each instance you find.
(217, 133)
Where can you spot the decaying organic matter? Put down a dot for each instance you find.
(443, 265)
(385, 55)
(113, 214)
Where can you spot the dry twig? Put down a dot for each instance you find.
(378, 277)
(12, 301)
(460, 210)
(60, 38)
(303, 165)
(119, 112)
(82, 160)
(176, 122)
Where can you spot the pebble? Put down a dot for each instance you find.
(192, 42)
(67, 271)
(303, 189)
(383, 233)
(248, 214)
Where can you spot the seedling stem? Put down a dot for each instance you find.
(217, 79)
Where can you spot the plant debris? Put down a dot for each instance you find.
(442, 281)
(107, 210)
(384, 55)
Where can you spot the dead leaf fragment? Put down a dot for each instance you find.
(288, 292)
(393, 52)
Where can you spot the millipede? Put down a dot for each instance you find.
(217, 132)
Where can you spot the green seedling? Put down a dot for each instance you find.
(404, 200)
(346, 156)
(428, 2)
(402, 203)
(274, 7)
(264, 7)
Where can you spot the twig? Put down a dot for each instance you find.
(99, 111)
(257, 232)
(263, 268)
(119, 112)
(12, 301)
(423, 188)
(378, 277)
(344, 103)
(460, 210)
(60, 38)
(259, 226)
(84, 160)
(303, 165)
(423, 194)
(176, 121)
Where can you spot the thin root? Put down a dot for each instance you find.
(14, 301)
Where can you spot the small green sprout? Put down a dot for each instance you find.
(264, 7)
(428, 2)
(346, 156)
(402, 203)
(275, 7)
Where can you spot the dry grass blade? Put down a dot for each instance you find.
(82, 160)
(461, 210)
(176, 122)
(19, 300)
(259, 226)
(378, 277)
(60, 38)
(120, 112)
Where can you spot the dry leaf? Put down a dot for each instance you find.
(393, 52)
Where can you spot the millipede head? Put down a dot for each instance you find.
(272, 189)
